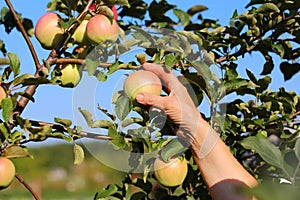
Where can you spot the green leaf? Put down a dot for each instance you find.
(289, 69)
(196, 9)
(78, 154)
(268, 151)
(118, 139)
(20, 79)
(14, 63)
(182, 16)
(173, 148)
(106, 192)
(273, 191)
(123, 107)
(91, 65)
(65, 122)
(7, 109)
(101, 124)
(35, 81)
(102, 77)
(268, 8)
(16, 152)
(297, 149)
(234, 84)
(170, 60)
(87, 116)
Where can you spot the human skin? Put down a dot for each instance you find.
(219, 168)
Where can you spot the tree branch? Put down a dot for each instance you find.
(30, 90)
(24, 33)
(21, 180)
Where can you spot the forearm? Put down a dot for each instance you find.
(219, 168)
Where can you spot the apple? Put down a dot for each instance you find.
(7, 172)
(2, 93)
(100, 29)
(79, 35)
(70, 75)
(48, 31)
(172, 173)
(142, 81)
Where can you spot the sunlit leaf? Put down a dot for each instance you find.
(14, 63)
(78, 154)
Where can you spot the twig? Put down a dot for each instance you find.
(24, 33)
(21, 180)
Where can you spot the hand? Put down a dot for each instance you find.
(178, 105)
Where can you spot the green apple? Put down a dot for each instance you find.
(172, 173)
(70, 75)
(7, 172)
(142, 81)
(48, 31)
(79, 35)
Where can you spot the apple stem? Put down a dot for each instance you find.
(21, 180)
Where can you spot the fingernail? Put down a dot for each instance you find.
(139, 97)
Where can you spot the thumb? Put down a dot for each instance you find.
(151, 100)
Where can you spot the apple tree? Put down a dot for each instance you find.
(93, 37)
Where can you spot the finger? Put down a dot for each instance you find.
(151, 100)
(162, 72)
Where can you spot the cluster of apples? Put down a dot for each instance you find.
(92, 30)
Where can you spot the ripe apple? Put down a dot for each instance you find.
(48, 31)
(7, 172)
(172, 173)
(2, 93)
(70, 75)
(100, 29)
(79, 35)
(142, 81)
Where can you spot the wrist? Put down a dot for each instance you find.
(204, 139)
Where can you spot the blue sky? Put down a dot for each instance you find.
(54, 101)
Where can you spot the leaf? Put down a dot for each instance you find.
(14, 63)
(65, 122)
(297, 149)
(16, 152)
(87, 116)
(20, 79)
(289, 70)
(170, 60)
(234, 84)
(117, 138)
(91, 66)
(101, 124)
(273, 191)
(123, 107)
(7, 109)
(141, 57)
(183, 16)
(268, 151)
(175, 147)
(106, 192)
(268, 8)
(102, 77)
(78, 154)
(196, 9)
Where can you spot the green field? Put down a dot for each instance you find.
(52, 175)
